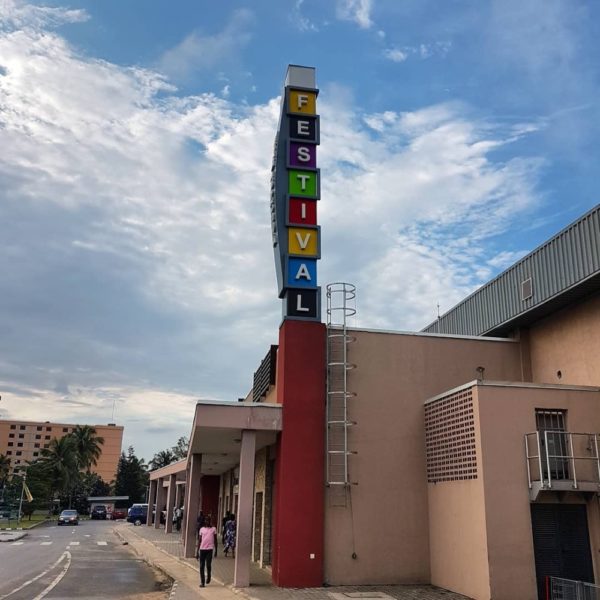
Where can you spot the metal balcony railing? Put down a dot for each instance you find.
(558, 588)
(562, 460)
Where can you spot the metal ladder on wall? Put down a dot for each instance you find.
(340, 307)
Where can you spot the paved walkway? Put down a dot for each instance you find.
(165, 551)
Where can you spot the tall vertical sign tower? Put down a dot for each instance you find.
(298, 512)
(295, 190)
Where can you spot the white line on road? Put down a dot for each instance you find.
(57, 578)
(86, 535)
(36, 577)
(73, 543)
(102, 543)
(17, 543)
(46, 544)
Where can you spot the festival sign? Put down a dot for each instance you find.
(295, 190)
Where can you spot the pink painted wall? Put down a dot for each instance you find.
(387, 525)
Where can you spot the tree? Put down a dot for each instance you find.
(4, 471)
(60, 462)
(87, 445)
(162, 459)
(132, 477)
(180, 449)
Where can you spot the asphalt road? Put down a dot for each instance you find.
(82, 561)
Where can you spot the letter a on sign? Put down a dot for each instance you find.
(303, 273)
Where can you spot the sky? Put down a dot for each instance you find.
(136, 266)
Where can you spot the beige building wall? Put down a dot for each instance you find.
(457, 531)
(23, 441)
(569, 342)
(506, 413)
(387, 521)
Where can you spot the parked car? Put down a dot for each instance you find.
(118, 513)
(4, 512)
(99, 512)
(68, 517)
(137, 514)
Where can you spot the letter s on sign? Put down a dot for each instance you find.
(303, 154)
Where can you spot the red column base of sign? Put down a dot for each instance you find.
(298, 511)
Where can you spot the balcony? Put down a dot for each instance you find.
(562, 461)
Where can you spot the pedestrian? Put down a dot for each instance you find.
(207, 543)
(178, 517)
(200, 520)
(226, 518)
(230, 532)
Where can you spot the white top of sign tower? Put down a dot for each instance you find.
(300, 77)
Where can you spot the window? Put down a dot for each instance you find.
(36, 445)
(13, 426)
(65, 430)
(36, 453)
(10, 443)
(21, 436)
(18, 453)
(9, 452)
(47, 437)
(48, 428)
(17, 462)
(38, 437)
(19, 444)
(39, 427)
(21, 427)
(11, 435)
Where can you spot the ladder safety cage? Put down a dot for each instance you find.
(341, 306)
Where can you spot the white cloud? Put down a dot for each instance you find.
(423, 51)
(16, 14)
(357, 11)
(395, 55)
(137, 260)
(300, 21)
(199, 52)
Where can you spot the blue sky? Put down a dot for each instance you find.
(136, 143)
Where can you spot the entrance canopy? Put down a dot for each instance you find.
(217, 431)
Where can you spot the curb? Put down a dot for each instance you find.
(14, 537)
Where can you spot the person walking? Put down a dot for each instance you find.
(178, 517)
(207, 544)
(230, 533)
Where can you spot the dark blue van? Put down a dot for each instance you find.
(137, 514)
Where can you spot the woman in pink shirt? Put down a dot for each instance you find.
(207, 542)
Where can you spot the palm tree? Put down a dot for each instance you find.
(87, 445)
(60, 462)
(162, 459)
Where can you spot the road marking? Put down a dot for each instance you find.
(57, 578)
(36, 577)
(102, 543)
(46, 544)
(17, 543)
(73, 543)
(86, 535)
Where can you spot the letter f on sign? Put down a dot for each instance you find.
(302, 100)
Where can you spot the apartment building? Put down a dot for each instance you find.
(23, 441)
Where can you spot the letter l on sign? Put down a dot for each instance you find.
(299, 306)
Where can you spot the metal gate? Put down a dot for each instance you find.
(561, 544)
(569, 589)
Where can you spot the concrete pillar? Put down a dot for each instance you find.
(151, 501)
(192, 505)
(170, 504)
(243, 550)
(160, 501)
(178, 488)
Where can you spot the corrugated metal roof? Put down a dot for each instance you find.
(560, 271)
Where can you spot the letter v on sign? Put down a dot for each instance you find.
(303, 241)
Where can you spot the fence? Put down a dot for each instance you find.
(558, 588)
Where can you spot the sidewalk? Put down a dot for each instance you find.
(165, 551)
